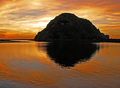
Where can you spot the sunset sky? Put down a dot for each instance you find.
(23, 19)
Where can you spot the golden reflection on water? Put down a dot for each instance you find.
(30, 65)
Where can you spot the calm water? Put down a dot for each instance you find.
(59, 65)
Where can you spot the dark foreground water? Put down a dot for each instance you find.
(31, 64)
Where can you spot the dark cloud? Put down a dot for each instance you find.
(29, 13)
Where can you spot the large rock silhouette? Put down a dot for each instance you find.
(67, 26)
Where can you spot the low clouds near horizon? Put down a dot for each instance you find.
(20, 18)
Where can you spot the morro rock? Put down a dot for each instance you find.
(68, 26)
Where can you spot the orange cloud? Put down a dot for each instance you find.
(34, 15)
(12, 34)
(114, 31)
(4, 2)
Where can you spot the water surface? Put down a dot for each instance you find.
(59, 65)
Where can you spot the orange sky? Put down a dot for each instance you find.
(24, 18)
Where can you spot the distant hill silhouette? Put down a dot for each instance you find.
(67, 54)
(67, 26)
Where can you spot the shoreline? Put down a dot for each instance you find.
(85, 41)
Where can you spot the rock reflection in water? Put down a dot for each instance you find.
(67, 54)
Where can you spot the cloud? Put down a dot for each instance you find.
(34, 15)
(112, 30)
(12, 34)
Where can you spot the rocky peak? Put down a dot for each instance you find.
(68, 26)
